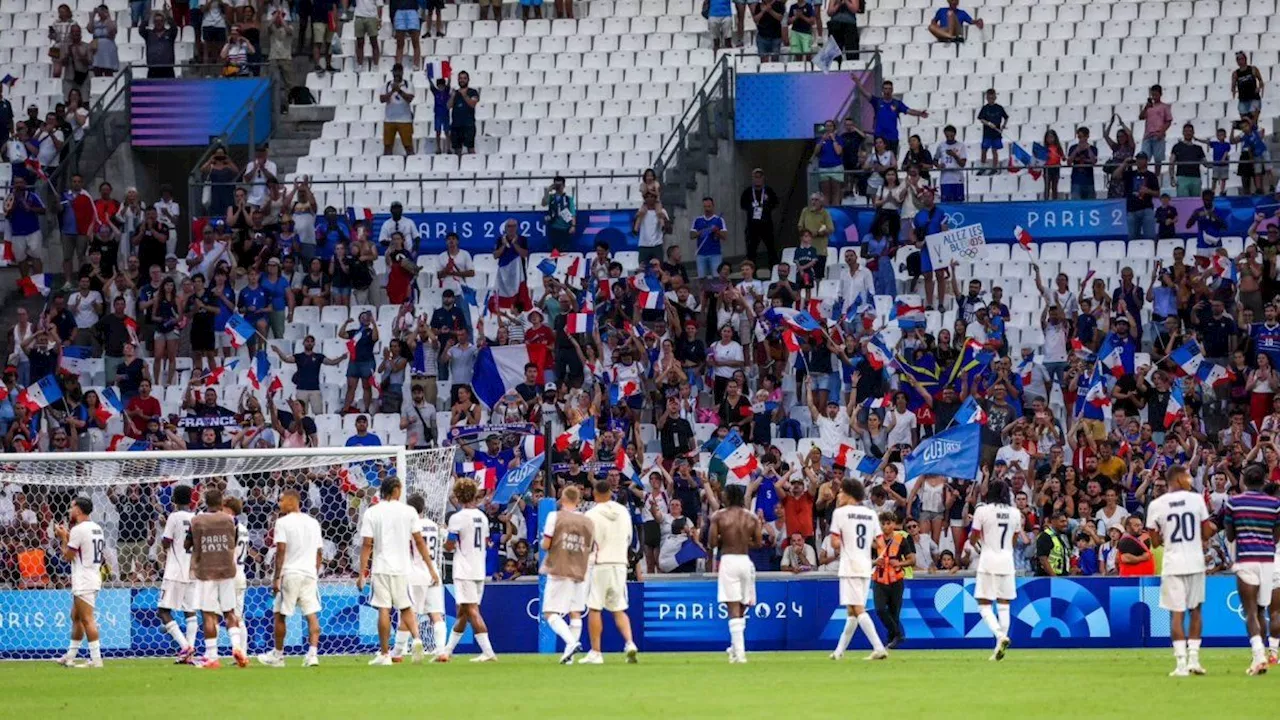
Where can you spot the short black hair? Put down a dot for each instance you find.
(949, 129)
(417, 502)
(1254, 476)
(389, 487)
(84, 505)
(602, 487)
(998, 492)
(708, 198)
(182, 496)
(853, 489)
(1059, 515)
(735, 496)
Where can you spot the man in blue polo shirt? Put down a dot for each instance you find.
(253, 302)
(306, 380)
(887, 109)
(707, 231)
(23, 209)
(948, 22)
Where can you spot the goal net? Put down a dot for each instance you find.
(132, 496)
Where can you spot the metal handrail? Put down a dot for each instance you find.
(97, 110)
(692, 113)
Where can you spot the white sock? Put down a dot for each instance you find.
(402, 642)
(95, 651)
(1193, 650)
(869, 628)
(989, 617)
(171, 627)
(237, 638)
(737, 631)
(1273, 643)
(191, 629)
(575, 625)
(846, 635)
(1180, 652)
(561, 630)
(482, 639)
(1259, 652)
(73, 649)
(312, 651)
(455, 637)
(1002, 612)
(211, 648)
(439, 633)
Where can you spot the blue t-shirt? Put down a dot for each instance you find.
(24, 222)
(1220, 150)
(767, 499)
(366, 440)
(1267, 340)
(887, 112)
(720, 8)
(364, 344)
(441, 96)
(253, 301)
(307, 376)
(708, 240)
(276, 291)
(930, 225)
(827, 155)
(962, 17)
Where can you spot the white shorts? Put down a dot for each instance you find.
(721, 28)
(240, 601)
(468, 592)
(89, 597)
(564, 596)
(854, 591)
(27, 246)
(180, 596)
(989, 586)
(608, 588)
(427, 599)
(1180, 593)
(736, 581)
(390, 591)
(217, 596)
(1259, 574)
(297, 591)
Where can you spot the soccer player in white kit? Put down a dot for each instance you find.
(1180, 520)
(299, 557)
(83, 546)
(388, 530)
(854, 529)
(426, 592)
(734, 531)
(468, 540)
(178, 589)
(995, 524)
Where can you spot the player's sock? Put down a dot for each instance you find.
(210, 648)
(1002, 613)
(312, 651)
(1259, 652)
(1193, 651)
(402, 642)
(237, 638)
(438, 634)
(73, 649)
(482, 639)
(171, 627)
(737, 629)
(95, 651)
(989, 617)
(561, 629)
(1180, 652)
(1273, 643)
(455, 637)
(191, 630)
(846, 635)
(869, 628)
(575, 626)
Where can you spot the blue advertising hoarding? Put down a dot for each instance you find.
(787, 106)
(191, 112)
(478, 231)
(675, 615)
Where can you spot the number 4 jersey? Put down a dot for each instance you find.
(998, 525)
(1179, 516)
(86, 567)
(469, 528)
(858, 528)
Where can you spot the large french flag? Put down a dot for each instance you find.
(109, 406)
(501, 368)
(41, 394)
(584, 432)
(738, 456)
(75, 359)
(509, 281)
(1187, 358)
(239, 329)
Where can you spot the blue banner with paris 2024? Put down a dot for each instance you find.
(952, 454)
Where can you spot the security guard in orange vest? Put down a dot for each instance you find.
(895, 554)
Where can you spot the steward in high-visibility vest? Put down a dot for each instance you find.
(895, 557)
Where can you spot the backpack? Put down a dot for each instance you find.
(301, 95)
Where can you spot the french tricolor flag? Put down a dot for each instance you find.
(790, 340)
(576, 323)
(124, 443)
(75, 359)
(213, 377)
(33, 285)
(578, 268)
(1174, 409)
(583, 432)
(366, 214)
(622, 390)
(627, 467)
(909, 316)
(437, 69)
(6, 254)
(1188, 358)
(259, 370)
(240, 330)
(1023, 237)
(532, 446)
(1214, 375)
(738, 456)
(1097, 394)
(649, 292)
(131, 326)
(847, 456)
(635, 329)
(40, 394)
(485, 476)
(1025, 369)
(880, 402)
(879, 354)
(970, 412)
(109, 406)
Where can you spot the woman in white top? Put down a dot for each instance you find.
(657, 507)
(879, 161)
(933, 492)
(901, 422)
(724, 357)
(888, 202)
(22, 331)
(1262, 388)
(1112, 513)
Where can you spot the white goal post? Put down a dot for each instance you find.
(131, 494)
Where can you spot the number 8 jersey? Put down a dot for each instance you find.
(858, 527)
(469, 529)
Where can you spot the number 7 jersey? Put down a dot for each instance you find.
(998, 525)
(858, 527)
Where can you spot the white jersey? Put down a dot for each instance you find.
(1179, 516)
(302, 538)
(177, 562)
(392, 525)
(242, 553)
(469, 528)
(418, 572)
(999, 524)
(86, 567)
(857, 527)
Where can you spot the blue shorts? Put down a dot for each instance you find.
(768, 46)
(992, 143)
(953, 192)
(406, 21)
(360, 369)
(531, 3)
(926, 262)
(442, 124)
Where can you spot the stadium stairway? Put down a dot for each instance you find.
(294, 133)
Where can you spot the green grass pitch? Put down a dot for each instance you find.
(778, 686)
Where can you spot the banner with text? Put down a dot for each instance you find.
(478, 231)
(961, 244)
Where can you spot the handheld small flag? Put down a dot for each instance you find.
(1023, 236)
(75, 359)
(239, 330)
(738, 456)
(33, 285)
(213, 377)
(1188, 358)
(971, 412)
(576, 323)
(40, 394)
(109, 405)
(1174, 409)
